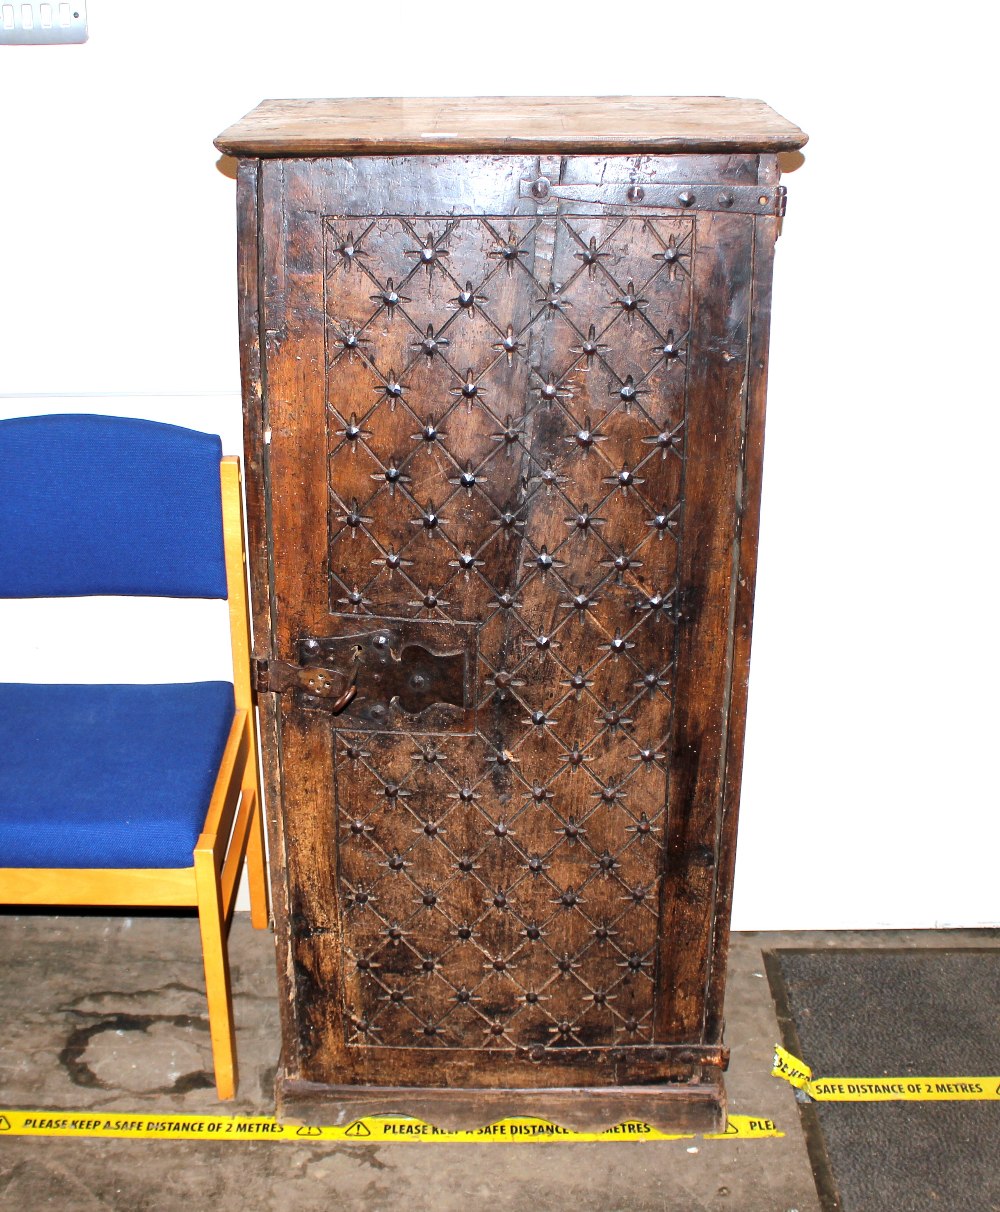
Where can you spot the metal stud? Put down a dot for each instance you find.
(509, 345)
(430, 344)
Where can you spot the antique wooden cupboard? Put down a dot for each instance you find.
(504, 366)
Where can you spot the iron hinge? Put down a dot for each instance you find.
(686, 196)
(781, 201)
(258, 673)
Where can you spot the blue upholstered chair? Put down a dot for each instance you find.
(130, 795)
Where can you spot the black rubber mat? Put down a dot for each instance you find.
(923, 1012)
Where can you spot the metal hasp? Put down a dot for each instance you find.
(397, 665)
(326, 689)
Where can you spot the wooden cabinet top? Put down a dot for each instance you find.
(434, 125)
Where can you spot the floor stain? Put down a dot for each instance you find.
(72, 1057)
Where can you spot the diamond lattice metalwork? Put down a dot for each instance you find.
(506, 447)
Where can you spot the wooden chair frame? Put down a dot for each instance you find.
(232, 832)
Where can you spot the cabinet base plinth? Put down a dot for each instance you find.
(696, 1106)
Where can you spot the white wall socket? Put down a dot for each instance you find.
(42, 24)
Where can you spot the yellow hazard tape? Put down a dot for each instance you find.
(374, 1129)
(882, 1089)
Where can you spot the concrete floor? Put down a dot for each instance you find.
(107, 1013)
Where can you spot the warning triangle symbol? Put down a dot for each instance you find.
(309, 1132)
(358, 1128)
(4, 1123)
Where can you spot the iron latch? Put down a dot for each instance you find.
(409, 666)
(315, 685)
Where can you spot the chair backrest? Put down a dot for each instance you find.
(109, 505)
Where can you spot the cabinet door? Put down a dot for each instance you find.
(504, 443)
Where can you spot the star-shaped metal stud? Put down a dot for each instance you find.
(429, 432)
(672, 350)
(390, 389)
(508, 251)
(544, 561)
(621, 563)
(591, 347)
(353, 432)
(591, 256)
(618, 645)
(584, 522)
(552, 298)
(467, 561)
(392, 475)
(467, 479)
(577, 682)
(467, 300)
(667, 441)
(509, 345)
(585, 436)
(390, 298)
(552, 391)
(355, 600)
(673, 255)
(429, 602)
(353, 517)
(350, 341)
(510, 435)
(429, 253)
(581, 603)
(628, 392)
(430, 344)
(550, 477)
(625, 479)
(469, 391)
(665, 521)
(392, 560)
(630, 302)
(348, 250)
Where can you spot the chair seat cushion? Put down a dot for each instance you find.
(108, 776)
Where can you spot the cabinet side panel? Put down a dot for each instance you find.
(253, 374)
(291, 284)
(718, 380)
(753, 454)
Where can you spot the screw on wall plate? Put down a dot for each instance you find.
(43, 24)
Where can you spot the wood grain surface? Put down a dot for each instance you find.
(569, 125)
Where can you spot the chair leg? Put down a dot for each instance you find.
(260, 910)
(217, 984)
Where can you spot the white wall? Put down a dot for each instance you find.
(868, 797)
